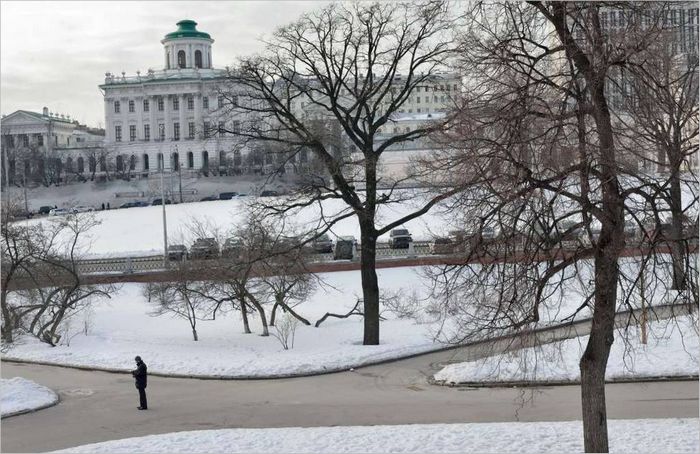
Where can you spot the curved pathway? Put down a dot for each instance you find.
(100, 406)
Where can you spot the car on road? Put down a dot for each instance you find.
(345, 248)
(160, 202)
(442, 245)
(227, 195)
(209, 198)
(204, 248)
(81, 209)
(323, 244)
(400, 239)
(268, 193)
(231, 248)
(45, 209)
(177, 252)
(59, 212)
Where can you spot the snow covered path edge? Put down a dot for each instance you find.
(568, 330)
(32, 397)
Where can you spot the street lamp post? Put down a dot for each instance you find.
(162, 202)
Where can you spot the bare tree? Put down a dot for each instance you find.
(658, 120)
(548, 193)
(354, 66)
(48, 284)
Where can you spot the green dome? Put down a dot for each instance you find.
(187, 29)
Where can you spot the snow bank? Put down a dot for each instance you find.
(20, 395)
(642, 435)
(672, 350)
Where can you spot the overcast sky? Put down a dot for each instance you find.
(55, 54)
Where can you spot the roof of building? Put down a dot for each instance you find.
(187, 29)
(39, 116)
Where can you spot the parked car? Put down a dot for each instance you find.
(323, 244)
(243, 195)
(442, 245)
(45, 209)
(59, 212)
(227, 195)
(140, 204)
(268, 193)
(160, 202)
(81, 209)
(344, 248)
(399, 239)
(231, 248)
(128, 205)
(177, 251)
(209, 198)
(204, 248)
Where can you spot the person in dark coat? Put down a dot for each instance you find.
(140, 374)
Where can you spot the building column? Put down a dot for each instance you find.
(109, 124)
(139, 117)
(152, 106)
(183, 116)
(198, 126)
(168, 121)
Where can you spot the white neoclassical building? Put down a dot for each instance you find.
(170, 115)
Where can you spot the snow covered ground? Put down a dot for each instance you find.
(121, 328)
(672, 349)
(20, 395)
(639, 435)
(138, 231)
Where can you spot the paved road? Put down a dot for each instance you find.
(100, 406)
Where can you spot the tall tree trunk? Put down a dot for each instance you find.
(610, 244)
(370, 285)
(7, 319)
(677, 249)
(274, 313)
(280, 303)
(263, 318)
(244, 314)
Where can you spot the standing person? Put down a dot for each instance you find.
(103, 206)
(108, 205)
(140, 374)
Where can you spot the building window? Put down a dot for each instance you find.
(81, 164)
(132, 133)
(198, 59)
(236, 127)
(145, 161)
(222, 128)
(118, 133)
(132, 162)
(25, 140)
(418, 99)
(161, 105)
(205, 102)
(190, 160)
(176, 131)
(161, 131)
(418, 110)
(176, 103)
(117, 107)
(190, 103)
(147, 132)
(206, 129)
(146, 106)
(40, 140)
(132, 108)
(181, 61)
(191, 130)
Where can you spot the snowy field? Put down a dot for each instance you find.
(20, 395)
(121, 328)
(138, 231)
(672, 349)
(639, 435)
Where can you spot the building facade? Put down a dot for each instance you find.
(47, 148)
(171, 117)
